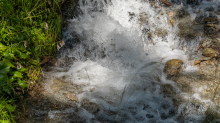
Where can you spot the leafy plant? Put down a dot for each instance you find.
(29, 30)
(6, 109)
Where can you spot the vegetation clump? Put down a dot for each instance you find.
(29, 30)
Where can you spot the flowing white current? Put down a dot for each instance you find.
(119, 64)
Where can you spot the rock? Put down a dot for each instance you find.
(168, 90)
(166, 2)
(49, 60)
(172, 67)
(209, 52)
(211, 19)
(210, 9)
(181, 13)
(45, 59)
(211, 30)
(170, 14)
(90, 106)
(206, 43)
(72, 96)
(172, 21)
(196, 62)
(160, 32)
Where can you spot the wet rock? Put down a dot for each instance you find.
(90, 106)
(160, 32)
(171, 14)
(194, 2)
(48, 61)
(70, 9)
(173, 67)
(196, 62)
(211, 30)
(210, 9)
(166, 3)
(187, 30)
(168, 90)
(211, 19)
(200, 19)
(206, 43)
(72, 96)
(209, 52)
(149, 116)
(182, 13)
(172, 21)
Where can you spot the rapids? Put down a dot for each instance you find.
(117, 74)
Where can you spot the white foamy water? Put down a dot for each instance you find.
(119, 66)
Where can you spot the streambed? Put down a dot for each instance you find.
(118, 50)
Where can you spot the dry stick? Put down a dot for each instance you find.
(87, 74)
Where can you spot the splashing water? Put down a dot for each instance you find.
(119, 63)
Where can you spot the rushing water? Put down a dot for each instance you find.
(119, 61)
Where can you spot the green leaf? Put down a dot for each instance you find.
(17, 74)
(5, 66)
(34, 62)
(2, 47)
(10, 27)
(4, 36)
(36, 48)
(4, 121)
(3, 77)
(20, 37)
(22, 69)
(8, 55)
(6, 89)
(8, 62)
(23, 56)
(2, 83)
(28, 53)
(10, 108)
(22, 84)
(11, 79)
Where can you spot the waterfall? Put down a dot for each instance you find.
(121, 51)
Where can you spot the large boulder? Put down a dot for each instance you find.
(173, 67)
(209, 52)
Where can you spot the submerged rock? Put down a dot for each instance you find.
(211, 30)
(172, 67)
(209, 52)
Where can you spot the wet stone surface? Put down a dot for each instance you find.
(204, 82)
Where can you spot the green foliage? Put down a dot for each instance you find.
(6, 109)
(29, 30)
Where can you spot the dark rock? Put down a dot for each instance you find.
(211, 30)
(90, 106)
(182, 13)
(149, 116)
(210, 9)
(172, 67)
(193, 2)
(168, 90)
